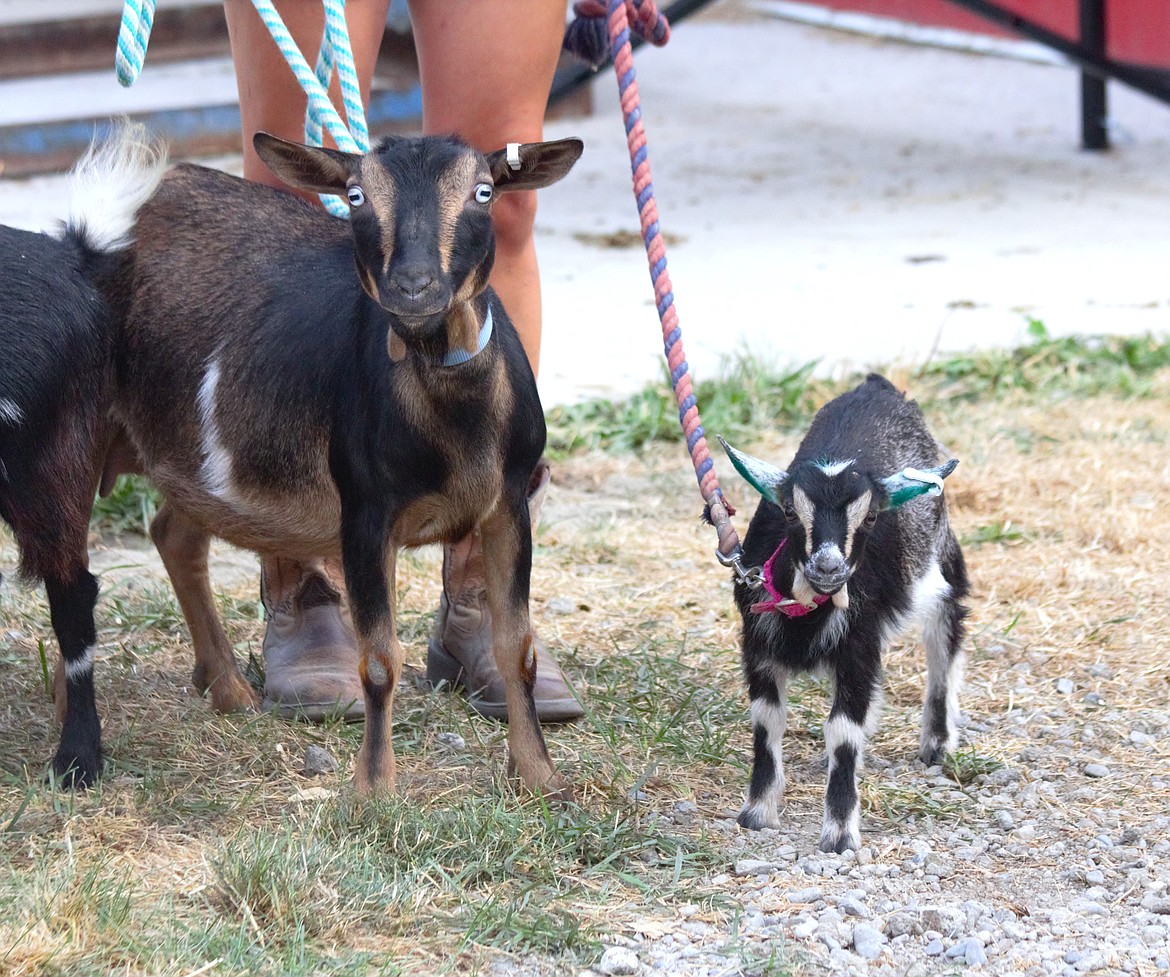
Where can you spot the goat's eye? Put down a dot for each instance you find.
(789, 513)
(483, 193)
(356, 196)
(871, 519)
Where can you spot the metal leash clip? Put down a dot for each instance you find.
(751, 576)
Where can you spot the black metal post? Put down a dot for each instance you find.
(1094, 134)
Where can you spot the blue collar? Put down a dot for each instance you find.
(456, 356)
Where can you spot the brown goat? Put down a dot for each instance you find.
(305, 387)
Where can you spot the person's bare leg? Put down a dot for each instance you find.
(486, 68)
(270, 97)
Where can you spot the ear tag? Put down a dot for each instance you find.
(513, 155)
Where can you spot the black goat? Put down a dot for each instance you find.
(304, 386)
(847, 567)
(57, 336)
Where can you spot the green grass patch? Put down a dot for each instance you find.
(1000, 532)
(751, 394)
(963, 766)
(747, 397)
(1073, 365)
(129, 508)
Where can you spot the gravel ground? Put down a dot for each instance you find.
(1016, 889)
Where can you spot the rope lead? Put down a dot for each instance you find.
(653, 26)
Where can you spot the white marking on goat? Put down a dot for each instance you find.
(80, 667)
(832, 468)
(377, 672)
(10, 413)
(834, 628)
(217, 460)
(804, 512)
(765, 812)
(111, 182)
(843, 731)
(857, 510)
(802, 590)
(774, 719)
(943, 673)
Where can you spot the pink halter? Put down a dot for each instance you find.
(781, 603)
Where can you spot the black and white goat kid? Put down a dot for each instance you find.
(855, 545)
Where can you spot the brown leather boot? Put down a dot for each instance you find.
(310, 652)
(460, 649)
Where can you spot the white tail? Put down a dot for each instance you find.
(110, 182)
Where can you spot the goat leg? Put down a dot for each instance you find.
(507, 554)
(767, 684)
(851, 719)
(71, 601)
(942, 635)
(183, 546)
(369, 559)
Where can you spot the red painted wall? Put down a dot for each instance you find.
(1137, 31)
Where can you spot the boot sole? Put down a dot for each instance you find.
(444, 668)
(317, 712)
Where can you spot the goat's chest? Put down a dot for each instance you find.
(469, 491)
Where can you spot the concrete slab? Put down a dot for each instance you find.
(831, 197)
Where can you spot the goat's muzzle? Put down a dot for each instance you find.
(827, 570)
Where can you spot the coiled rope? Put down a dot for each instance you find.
(651, 25)
(335, 53)
(133, 36)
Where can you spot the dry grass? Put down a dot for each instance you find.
(206, 847)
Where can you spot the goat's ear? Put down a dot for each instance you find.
(306, 167)
(764, 478)
(532, 165)
(910, 483)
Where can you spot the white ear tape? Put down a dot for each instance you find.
(513, 155)
(928, 477)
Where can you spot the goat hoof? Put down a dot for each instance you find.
(838, 843)
(235, 700)
(755, 820)
(75, 770)
(931, 755)
(557, 792)
(230, 692)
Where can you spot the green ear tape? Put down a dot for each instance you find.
(760, 475)
(912, 482)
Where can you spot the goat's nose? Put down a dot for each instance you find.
(828, 562)
(413, 281)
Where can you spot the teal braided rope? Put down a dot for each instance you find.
(351, 94)
(320, 108)
(133, 37)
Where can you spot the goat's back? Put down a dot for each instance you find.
(873, 424)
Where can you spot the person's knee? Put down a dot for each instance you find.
(514, 216)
